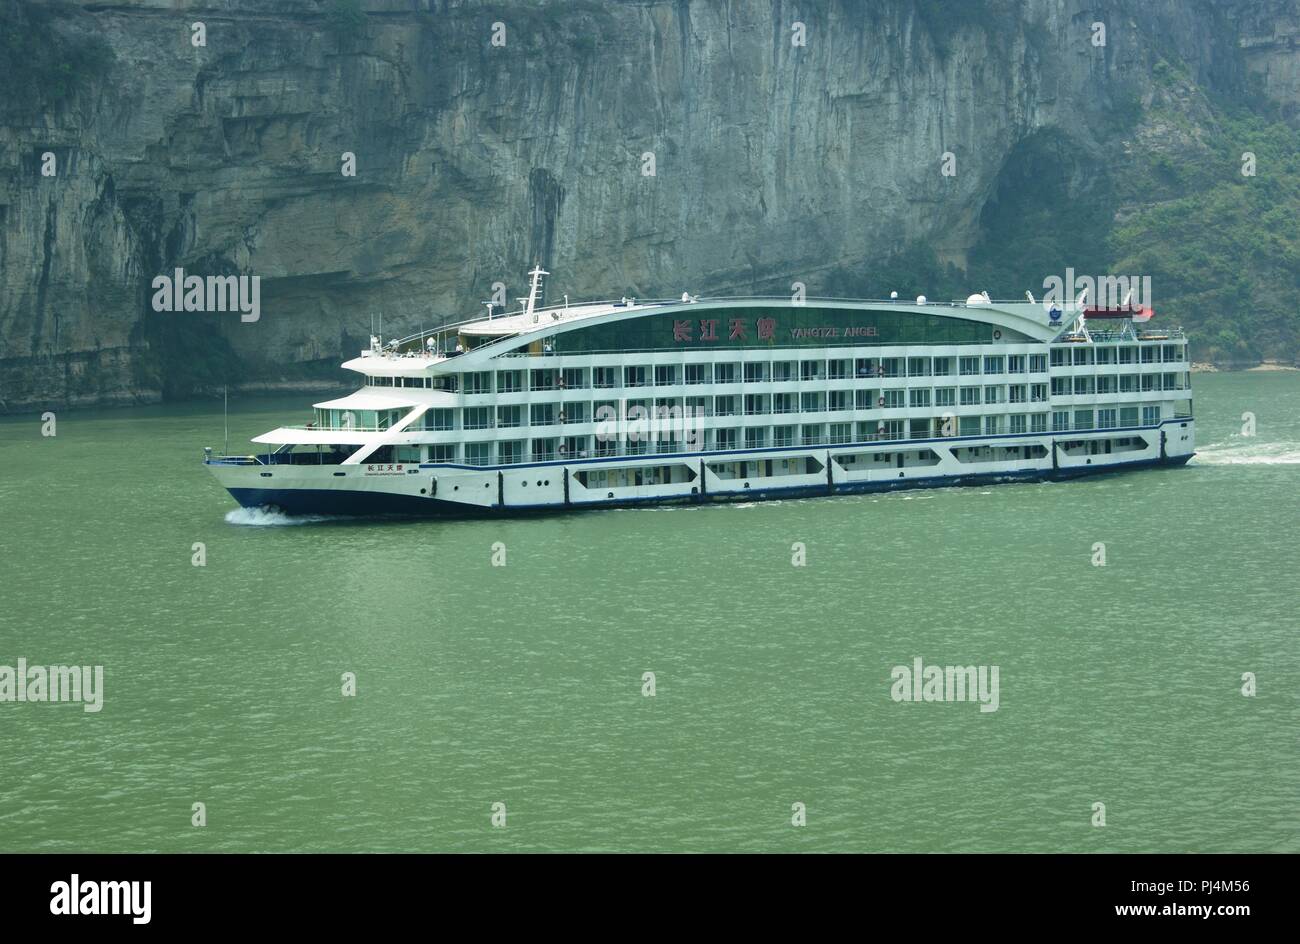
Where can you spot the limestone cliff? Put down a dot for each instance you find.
(774, 161)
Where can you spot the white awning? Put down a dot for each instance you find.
(365, 401)
(325, 437)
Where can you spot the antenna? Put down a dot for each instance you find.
(533, 286)
(490, 306)
(225, 413)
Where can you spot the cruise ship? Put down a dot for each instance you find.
(695, 400)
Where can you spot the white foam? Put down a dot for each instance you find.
(1240, 452)
(267, 517)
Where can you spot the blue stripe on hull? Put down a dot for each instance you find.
(294, 501)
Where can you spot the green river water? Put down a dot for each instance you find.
(522, 684)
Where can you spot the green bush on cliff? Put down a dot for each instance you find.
(1222, 248)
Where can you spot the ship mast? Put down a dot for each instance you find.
(534, 285)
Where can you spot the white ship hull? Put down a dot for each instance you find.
(442, 490)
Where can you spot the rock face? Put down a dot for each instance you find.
(788, 142)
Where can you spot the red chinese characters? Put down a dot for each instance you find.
(738, 329)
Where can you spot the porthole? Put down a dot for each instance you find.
(524, 483)
(609, 494)
(422, 491)
(547, 482)
(997, 335)
(455, 488)
(487, 484)
(746, 485)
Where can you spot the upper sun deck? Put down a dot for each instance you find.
(688, 323)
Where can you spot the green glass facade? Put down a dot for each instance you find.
(707, 327)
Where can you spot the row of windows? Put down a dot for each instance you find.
(754, 404)
(550, 448)
(1105, 418)
(515, 381)
(1079, 355)
(1122, 383)
(664, 375)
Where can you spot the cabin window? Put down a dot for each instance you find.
(724, 373)
(510, 451)
(439, 419)
(812, 370)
